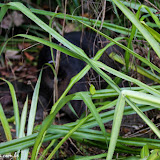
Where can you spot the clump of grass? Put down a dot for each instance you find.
(130, 100)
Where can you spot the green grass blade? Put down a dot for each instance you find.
(116, 125)
(24, 153)
(87, 100)
(142, 98)
(47, 43)
(155, 34)
(15, 106)
(3, 11)
(123, 76)
(24, 143)
(23, 119)
(32, 112)
(90, 157)
(5, 124)
(144, 152)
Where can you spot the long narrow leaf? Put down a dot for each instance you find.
(24, 153)
(116, 125)
(32, 112)
(87, 100)
(5, 124)
(15, 106)
(123, 76)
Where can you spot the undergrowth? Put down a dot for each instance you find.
(142, 26)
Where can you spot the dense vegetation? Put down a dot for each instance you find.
(133, 25)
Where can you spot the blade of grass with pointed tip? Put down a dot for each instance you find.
(22, 128)
(155, 34)
(33, 108)
(23, 119)
(5, 124)
(32, 112)
(15, 106)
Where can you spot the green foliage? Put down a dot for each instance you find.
(92, 89)
(130, 100)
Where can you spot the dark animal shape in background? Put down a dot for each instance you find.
(69, 67)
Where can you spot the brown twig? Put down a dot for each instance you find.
(58, 60)
(103, 13)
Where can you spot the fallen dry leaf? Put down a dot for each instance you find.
(11, 54)
(31, 58)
